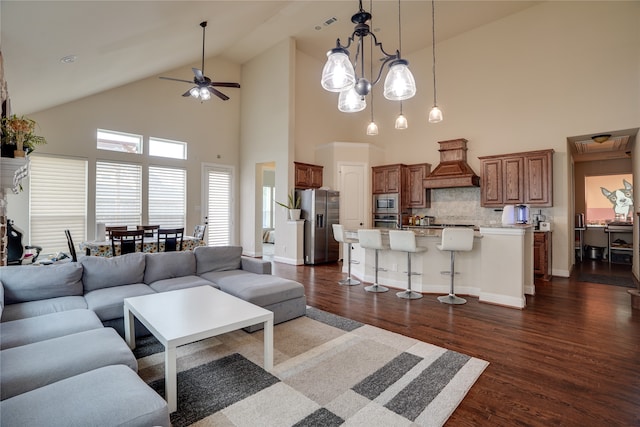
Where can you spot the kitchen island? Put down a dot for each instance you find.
(498, 270)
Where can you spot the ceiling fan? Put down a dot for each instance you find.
(204, 87)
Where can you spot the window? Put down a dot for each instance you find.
(608, 198)
(58, 201)
(268, 202)
(119, 141)
(218, 191)
(167, 201)
(118, 193)
(166, 148)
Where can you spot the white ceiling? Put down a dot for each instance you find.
(118, 42)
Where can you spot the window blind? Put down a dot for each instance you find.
(167, 200)
(219, 209)
(118, 193)
(58, 201)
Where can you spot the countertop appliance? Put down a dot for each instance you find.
(320, 209)
(515, 214)
(386, 203)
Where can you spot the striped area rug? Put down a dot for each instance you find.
(328, 371)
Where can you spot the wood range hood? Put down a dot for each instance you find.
(453, 170)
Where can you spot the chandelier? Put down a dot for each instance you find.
(340, 75)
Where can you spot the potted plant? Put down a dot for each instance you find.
(18, 136)
(293, 205)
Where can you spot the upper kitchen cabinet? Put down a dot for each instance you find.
(307, 175)
(417, 196)
(387, 179)
(517, 178)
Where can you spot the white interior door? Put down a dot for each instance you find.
(218, 204)
(354, 199)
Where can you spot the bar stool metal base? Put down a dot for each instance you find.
(376, 288)
(452, 299)
(409, 294)
(349, 282)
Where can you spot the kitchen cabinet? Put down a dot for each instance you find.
(307, 175)
(542, 254)
(388, 178)
(517, 178)
(417, 196)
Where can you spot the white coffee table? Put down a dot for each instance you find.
(187, 315)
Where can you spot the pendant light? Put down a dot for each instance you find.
(435, 115)
(372, 128)
(351, 101)
(401, 120)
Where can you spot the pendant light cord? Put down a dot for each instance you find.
(433, 43)
(371, 54)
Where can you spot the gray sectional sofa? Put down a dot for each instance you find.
(62, 356)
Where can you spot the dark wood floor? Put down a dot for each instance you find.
(570, 358)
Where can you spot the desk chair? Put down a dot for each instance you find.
(372, 239)
(455, 239)
(338, 234)
(172, 239)
(130, 241)
(405, 241)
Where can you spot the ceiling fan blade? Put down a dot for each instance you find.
(177, 80)
(198, 74)
(218, 93)
(187, 93)
(225, 84)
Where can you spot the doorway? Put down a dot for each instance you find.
(266, 243)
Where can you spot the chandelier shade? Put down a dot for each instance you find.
(351, 101)
(399, 84)
(338, 74)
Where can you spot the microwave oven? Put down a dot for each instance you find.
(385, 203)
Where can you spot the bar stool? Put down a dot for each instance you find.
(405, 241)
(338, 234)
(455, 239)
(372, 239)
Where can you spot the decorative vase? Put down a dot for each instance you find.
(19, 151)
(294, 214)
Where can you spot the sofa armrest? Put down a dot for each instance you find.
(255, 265)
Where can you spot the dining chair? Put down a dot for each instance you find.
(72, 247)
(198, 231)
(129, 241)
(149, 230)
(172, 238)
(109, 228)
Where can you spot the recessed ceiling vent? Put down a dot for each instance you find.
(453, 170)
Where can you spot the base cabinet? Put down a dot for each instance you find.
(542, 254)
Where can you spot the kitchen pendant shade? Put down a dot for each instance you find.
(399, 83)
(401, 122)
(435, 115)
(372, 129)
(350, 101)
(338, 74)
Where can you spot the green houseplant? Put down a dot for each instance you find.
(19, 133)
(293, 205)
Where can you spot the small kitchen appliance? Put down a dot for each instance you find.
(515, 214)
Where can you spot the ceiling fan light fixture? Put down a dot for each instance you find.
(205, 95)
(601, 138)
(195, 92)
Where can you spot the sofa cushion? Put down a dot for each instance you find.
(35, 365)
(217, 258)
(101, 272)
(40, 328)
(258, 289)
(168, 265)
(23, 310)
(180, 283)
(108, 396)
(36, 282)
(108, 303)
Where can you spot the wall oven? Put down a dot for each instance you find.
(386, 221)
(385, 203)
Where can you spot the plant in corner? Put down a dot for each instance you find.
(293, 205)
(18, 133)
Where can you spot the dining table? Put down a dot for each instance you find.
(103, 247)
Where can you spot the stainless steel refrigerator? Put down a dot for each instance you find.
(320, 209)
